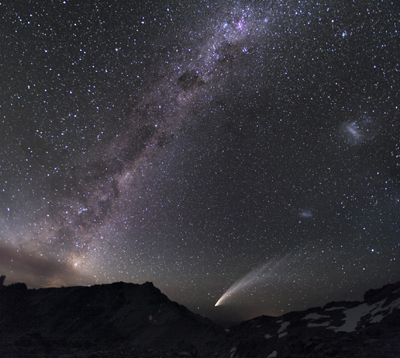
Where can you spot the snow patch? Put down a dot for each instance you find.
(377, 318)
(268, 336)
(273, 354)
(335, 308)
(324, 324)
(281, 331)
(387, 310)
(284, 325)
(354, 315)
(315, 316)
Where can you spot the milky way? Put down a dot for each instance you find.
(192, 144)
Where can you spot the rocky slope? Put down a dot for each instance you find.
(339, 329)
(128, 320)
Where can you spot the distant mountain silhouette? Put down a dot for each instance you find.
(130, 320)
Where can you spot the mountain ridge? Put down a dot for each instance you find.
(141, 321)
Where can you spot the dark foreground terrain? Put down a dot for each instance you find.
(129, 320)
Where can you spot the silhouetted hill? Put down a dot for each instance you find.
(129, 320)
(101, 317)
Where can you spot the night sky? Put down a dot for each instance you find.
(247, 147)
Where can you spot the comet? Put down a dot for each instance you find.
(266, 272)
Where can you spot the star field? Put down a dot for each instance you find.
(243, 146)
